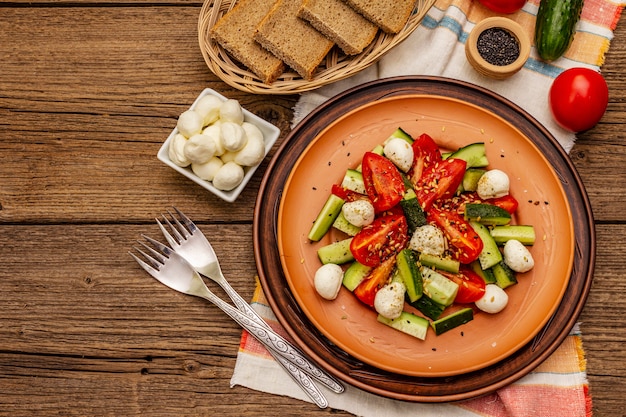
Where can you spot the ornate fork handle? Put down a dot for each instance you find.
(270, 339)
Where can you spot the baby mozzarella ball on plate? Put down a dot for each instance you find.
(429, 240)
(389, 300)
(517, 256)
(493, 184)
(493, 300)
(176, 151)
(199, 149)
(208, 107)
(400, 152)
(189, 123)
(231, 111)
(359, 212)
(207, 170)
(327, 281)
(228, 176)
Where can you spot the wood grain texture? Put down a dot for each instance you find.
(88, 92)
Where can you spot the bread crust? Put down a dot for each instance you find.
(390, 15)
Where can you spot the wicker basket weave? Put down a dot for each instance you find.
(335, 66)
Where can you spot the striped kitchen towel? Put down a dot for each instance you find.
(558, 387)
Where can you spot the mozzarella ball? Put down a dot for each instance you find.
(231, 111)
(199, 149)
(493, 300)
(189, 123)
(492, 184)
(327, 281)
(207, 170)
(228, 157)
(400, 152)
(517, 256)
(208, 107)
(228, 177)
(252, 153)
(214, 131)
(359, 212)
(233, 136)
(176, 151)
(389, 300)
(429, 240)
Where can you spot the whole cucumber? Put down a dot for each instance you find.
(555, 27)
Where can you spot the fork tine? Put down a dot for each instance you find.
(151, 267)
(175, 240)
(178, 226)
(190, 225)
(164, 250)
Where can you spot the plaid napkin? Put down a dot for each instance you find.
(558, 387)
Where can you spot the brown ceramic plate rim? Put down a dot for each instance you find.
(359, 374)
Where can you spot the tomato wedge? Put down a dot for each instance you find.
(375, 280)
(471, 285)
(345, 194)
(440, 180)
(383, 182)
(425, 153)
(381, 240)
(507, 202)
(464, 242)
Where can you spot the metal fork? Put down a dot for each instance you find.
(173, 270)
(189, 242)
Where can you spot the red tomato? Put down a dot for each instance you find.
(471, 285)
(440, 180)
(383, 182)
(504, 6)
(375, 280)
(425, 153)
(381, 240)
(507, 202)
(345, 194)
(578, 99)
(465, 243)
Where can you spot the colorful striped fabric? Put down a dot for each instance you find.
(558, 387)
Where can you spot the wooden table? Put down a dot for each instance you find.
(88, 92)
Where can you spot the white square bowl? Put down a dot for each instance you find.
(270, 135)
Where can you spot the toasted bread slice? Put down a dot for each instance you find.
(389, 15)
(340, 23)
(234, 32)
(292, 39)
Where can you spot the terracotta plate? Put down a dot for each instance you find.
(334, 138)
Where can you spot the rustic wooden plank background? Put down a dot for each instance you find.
(88, 92)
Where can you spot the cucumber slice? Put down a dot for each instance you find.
(354, 275)
(408, 323)
(326, 217)
(411, 276)
(439, 288)
(428, 307)
(490, 255)
(474, 154)
(453, 320)
(413, 211)
(400, 133)
(437, 262)
(470, 179)
(345, 226)
(523, 233)
(336, 252)
(353, 180)
(505, 276)
(485, 274)
(487, 214)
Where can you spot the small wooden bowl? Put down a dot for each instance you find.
(484, 67)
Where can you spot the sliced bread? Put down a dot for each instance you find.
(339, 22)
(234, 32)
(389, 15)
(292, 39)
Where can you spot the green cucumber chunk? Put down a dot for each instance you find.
(326, 217)
(345, 226)
(437, 262)
(415, 216)
(474, 154)
(336, 252)
(487, 214)
(470, 179)
(505, 276)
(439, 288)
(410, 273)
(453, 320)
(401, 134)
(428, 307)
(353, 181)
(524, 233)
(408, 323)
(354, 275)
(490, 255)
(486, 274)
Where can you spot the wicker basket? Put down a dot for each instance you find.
(336, 65)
